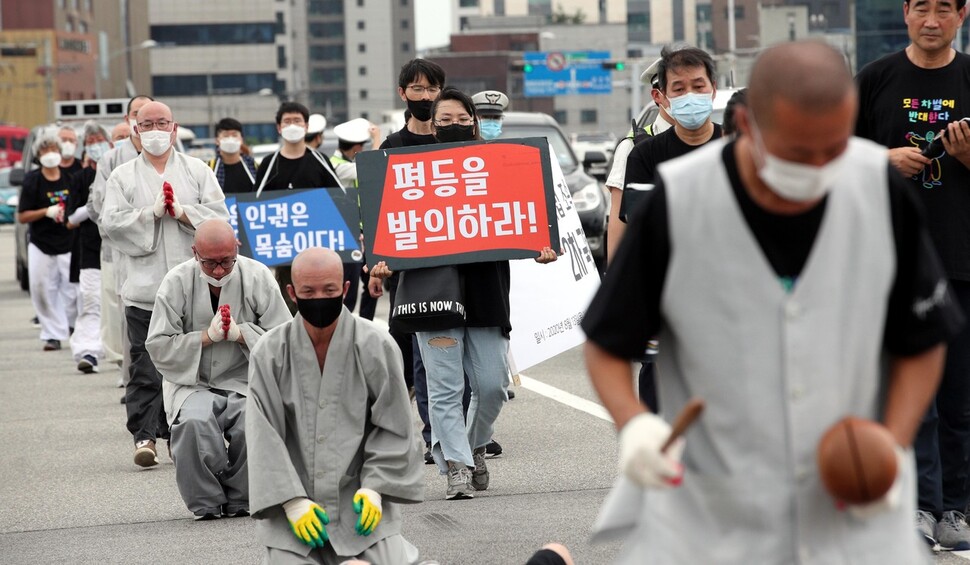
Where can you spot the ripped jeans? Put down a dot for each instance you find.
(448, 355)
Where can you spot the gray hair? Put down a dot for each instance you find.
(45, 138)
(92, 127)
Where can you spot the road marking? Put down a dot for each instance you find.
(963, 554)
(566, 398)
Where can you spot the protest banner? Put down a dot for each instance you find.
(548, 301)
(275, 226)
(447, 204)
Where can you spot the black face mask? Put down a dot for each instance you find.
(454, 132)
(420, 109)
(320, 312)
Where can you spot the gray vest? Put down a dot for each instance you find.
(776, 369)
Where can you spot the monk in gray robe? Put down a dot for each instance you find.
(201, 348)
(328, 426)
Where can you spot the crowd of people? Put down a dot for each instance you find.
(804, 261)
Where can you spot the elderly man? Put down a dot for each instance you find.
(151, 207)
(328, 424)
(209, 313)
(781, 269)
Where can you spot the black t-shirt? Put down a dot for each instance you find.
(237, 178)
(405, 138)
(646, 156)
(49, 236)
(312, 170)
(625, 312)
(73, 168)
(88, 247)
(902, 105)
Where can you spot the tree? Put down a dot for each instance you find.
(561, 17)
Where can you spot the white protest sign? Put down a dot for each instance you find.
(549, 301)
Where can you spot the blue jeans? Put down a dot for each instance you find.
(448, 355)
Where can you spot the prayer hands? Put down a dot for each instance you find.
(307, 520)
(367, 503)
(640, 457)
(172, 206)
(220, 324)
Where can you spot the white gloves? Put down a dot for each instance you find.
(176, 207)
(233, 333)
(640, 458)
(223, 327)
(55, 212)
(158, 208)
(889, 501)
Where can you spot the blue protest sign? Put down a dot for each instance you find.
(275, 227)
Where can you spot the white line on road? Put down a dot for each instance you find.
(566, 398)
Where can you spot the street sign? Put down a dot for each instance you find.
(556, 73)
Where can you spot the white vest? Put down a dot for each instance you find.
(776, 370)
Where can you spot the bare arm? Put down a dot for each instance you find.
(614, 228)
(612, 378)
(907, 160)
(913, 383)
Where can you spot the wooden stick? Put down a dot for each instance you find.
(691, 411)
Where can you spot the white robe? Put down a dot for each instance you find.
(183, 311)
(324, 435)
(151, 246)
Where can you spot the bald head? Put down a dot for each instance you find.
(215, 241)
(120, 131)
(810, 75)
(316, 262)
(215, 232)
(156, 110)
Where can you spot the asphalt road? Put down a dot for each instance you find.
(69, 492)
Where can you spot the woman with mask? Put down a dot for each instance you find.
(42, 203)
(477, 348)
(86, 344)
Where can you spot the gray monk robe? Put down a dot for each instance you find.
(323, 436)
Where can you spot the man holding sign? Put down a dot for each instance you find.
(473, 338)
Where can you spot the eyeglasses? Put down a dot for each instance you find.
(159, 125)
(226, 264)
(292, 122)
(419, 89)
(460, 121)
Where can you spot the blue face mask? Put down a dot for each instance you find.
(96, 150)
(490, 129)
(691, 110)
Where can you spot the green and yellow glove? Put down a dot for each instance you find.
(307, 520)
(367, 503)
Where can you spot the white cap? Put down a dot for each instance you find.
(316, 124)
(354, 131)
(651, 73)
(490, 101)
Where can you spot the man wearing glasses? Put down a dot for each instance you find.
(418, 85)
(202, 352)
(151, 208)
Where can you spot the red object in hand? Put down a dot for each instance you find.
(169, 198)
(857, 460)
(226, 318)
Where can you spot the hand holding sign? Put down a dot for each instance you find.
(547, 255)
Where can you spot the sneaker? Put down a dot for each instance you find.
(231, 511)
(428, 457)
(493, 449)
(952, 532)
(35, 321)
(511, 394)
(205, 516)
(480, 474)
(88, 364)
(926, 526)
(459, 482)
(52, 345)
(145, 455)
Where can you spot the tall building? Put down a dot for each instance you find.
(572, 11)
(240, 58)
(880, 29)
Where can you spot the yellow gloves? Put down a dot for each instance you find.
(307, 520)
(367, 503)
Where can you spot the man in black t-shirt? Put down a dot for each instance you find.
(905, 100)
(780, 268)
(686, 81)
(294, 166)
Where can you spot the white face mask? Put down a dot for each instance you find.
(67, 149)
(230, 145)
(293, 133)
(792, 181)
(132, 124)
(219, 283)
(97, 150)
(156, 142)
(50, 160)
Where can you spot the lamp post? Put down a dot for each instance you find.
(105, 58)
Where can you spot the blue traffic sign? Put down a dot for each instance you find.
(556, 73)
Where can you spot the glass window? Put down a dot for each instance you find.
(361, 24)
(405, 47)
(362, 48)
(561, 117)
(328, 76)
(587, 116)
(280, 24)
(363, 95)
(82, 26)
(467, 3)
(326, 7)
(327, 53)
(405, 24)
(360, 2)
(326, 30)
(362, 71)
(195, 85)
(280, 57)
(215, 34)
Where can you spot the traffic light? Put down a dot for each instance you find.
(520, 66)
(614, 65)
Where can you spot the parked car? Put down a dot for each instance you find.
(588, 194)
(9, 198)
(11, 144)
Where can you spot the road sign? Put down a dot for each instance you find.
(567, 72)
